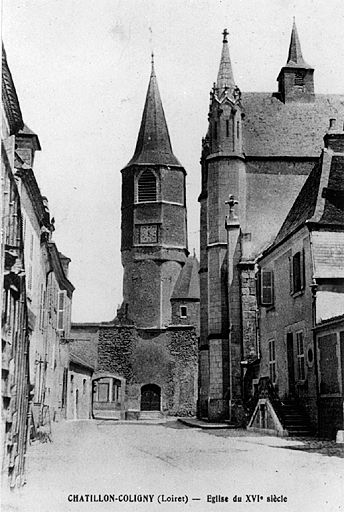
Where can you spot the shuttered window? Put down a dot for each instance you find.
(297, 272)
(147, 187)
(61, 308)
(267, 288)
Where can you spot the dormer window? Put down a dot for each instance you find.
(147, 187)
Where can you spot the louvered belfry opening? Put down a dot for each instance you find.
(147, 187)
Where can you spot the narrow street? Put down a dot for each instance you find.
(103, 466)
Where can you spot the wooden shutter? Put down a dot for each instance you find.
(267, 288)
(61, 306)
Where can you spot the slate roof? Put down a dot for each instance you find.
(275, 129)
(321, 199)
(153, 144)
(187, 285)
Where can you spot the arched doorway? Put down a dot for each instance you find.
(150, 397)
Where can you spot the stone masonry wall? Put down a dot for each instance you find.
(164, 358)
(249, 313)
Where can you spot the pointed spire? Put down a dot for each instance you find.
(153, 143)
(295, 58)
(225, 77)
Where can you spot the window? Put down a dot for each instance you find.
(272, 361)
(147, 187)
(183, 311)
(297, 272)
(300, 355)
(227, 127)
(84, 386)
(103, 392)
(238, 129)
(266, 288)
(61, 307)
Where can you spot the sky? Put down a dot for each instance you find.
(81, 70)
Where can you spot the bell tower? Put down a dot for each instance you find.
(154, 221)
(223, 174)
(296, 78)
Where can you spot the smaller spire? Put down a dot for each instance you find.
(295, 57)
(225, 77)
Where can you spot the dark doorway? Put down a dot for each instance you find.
(291, 368)
(150, 397)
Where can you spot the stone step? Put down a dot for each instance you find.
(151, 415)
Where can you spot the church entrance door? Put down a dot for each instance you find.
(150, 397)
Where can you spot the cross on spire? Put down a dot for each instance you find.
(225, 34)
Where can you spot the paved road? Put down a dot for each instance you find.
(174, 469)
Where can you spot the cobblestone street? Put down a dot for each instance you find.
(169, 466)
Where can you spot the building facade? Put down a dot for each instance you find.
(36, 296)
(15, 383)
(256, 156)
(302, 300)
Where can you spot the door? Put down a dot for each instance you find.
(150, 398)
(291, 368)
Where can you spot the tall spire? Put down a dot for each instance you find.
(225, 77)
(295, 58)
(153, 143)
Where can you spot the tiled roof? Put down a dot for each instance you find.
(275, 129)
(153, 144)
(187, 285)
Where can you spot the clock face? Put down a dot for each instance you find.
(148, 234)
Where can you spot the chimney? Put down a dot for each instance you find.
(334, 138)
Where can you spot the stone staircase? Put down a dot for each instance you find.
(294, 419)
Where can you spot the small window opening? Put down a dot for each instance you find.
(84, 387)
(227, 127)
(183, 311)
(238, 129)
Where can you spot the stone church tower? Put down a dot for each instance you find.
(259, 150)
(146, 362)
(154, 229)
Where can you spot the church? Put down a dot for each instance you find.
(146, 360)
(257, 154)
